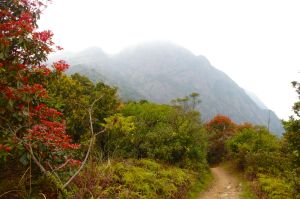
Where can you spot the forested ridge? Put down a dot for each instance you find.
(69, 137)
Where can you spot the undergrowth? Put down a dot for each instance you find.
(134, 179)
(201, 184)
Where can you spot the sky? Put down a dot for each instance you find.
(255, 42)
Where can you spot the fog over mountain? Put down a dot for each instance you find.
(256, 99)
(162, 71)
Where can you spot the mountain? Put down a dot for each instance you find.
(162, 71)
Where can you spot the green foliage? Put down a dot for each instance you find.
(30, 121)
(275, 188)
(202, 183)
(256, 150)
(261, 156)
(292, 143)
(132, 179)
(273, 162)
(119, 123)
(292, 139)
(163, 133)
(73, 95)
(141, 130)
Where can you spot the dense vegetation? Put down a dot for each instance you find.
(133, 150)
(67, 137)
(272, 162)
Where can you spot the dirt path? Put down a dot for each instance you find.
(225, 186)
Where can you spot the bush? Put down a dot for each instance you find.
(256, 151)
(275, 188)
(132, 179)
(163, 133)
(261, 155)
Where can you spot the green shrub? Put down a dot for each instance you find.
(163, 133)
(275, 188)
(133, 179)
(262, 157)
(256, 151)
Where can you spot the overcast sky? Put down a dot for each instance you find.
(256, 42)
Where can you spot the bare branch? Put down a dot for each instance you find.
(93, 136)
(8, 192)
(59, 167)
(82, 164)
(100, 132)
(43, 195)
(53, 171)
(36, 161)
(23, 175)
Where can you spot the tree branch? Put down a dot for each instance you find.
(93, 136)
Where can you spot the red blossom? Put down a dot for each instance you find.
(9, 93)
(7, 149)
(61, 66)
(221, 124)
(21, 106)
(25, 79)
(74, 162)
(51, 131)
(35, 89)
(25, 16)
(44, 36)
(21, 66)
(46, 71)
(39, 107)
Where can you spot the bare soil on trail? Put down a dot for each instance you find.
(224, 186)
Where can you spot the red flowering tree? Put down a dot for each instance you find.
(219, 129)
(27, 124)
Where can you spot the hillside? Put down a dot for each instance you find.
(162, 71)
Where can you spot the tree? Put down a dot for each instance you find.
(195, 99)
(292, 127)
(292, 141)
(255, 150)
(219, 129)
(187, 103)
(28, 124)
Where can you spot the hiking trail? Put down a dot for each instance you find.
(224, 186)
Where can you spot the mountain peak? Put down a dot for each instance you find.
(161, 71)
(157, 48)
